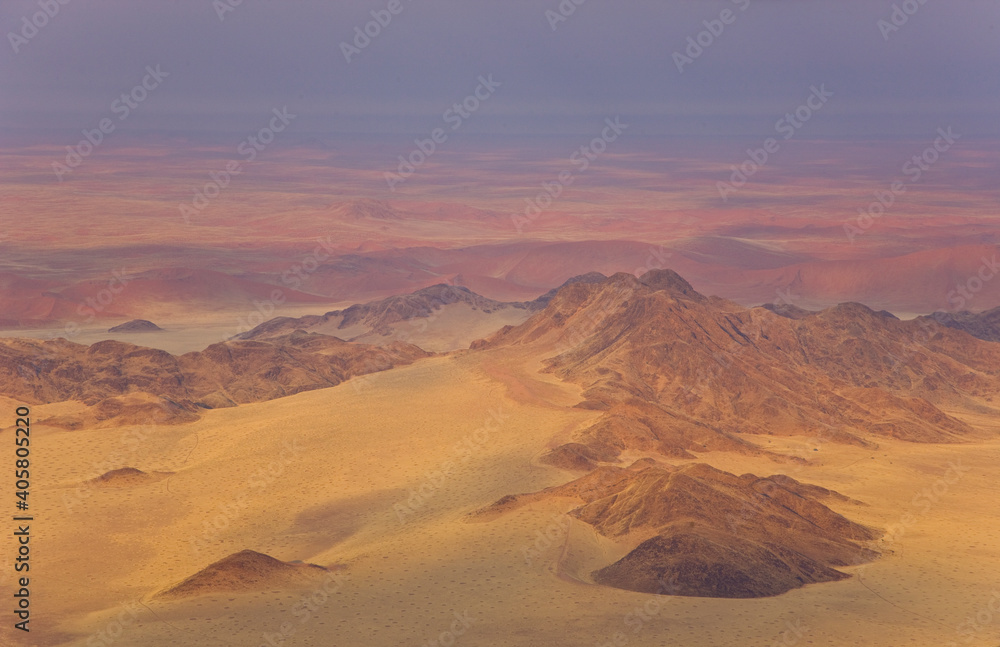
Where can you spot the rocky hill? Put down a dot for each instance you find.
(136, 325)
(378, 316)
(710, 533)
(678, 372)
(453, 310)
(119, 380)
(242, 572)
(982, 325)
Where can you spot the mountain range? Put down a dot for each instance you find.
(672, 375)
(123, 383)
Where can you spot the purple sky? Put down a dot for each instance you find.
(608, 58)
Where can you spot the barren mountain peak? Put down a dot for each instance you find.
(136, 325)
(246, 570)
(669, 281)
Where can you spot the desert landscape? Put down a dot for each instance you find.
(380, 324)
(633, 455)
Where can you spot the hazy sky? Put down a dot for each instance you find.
(941, 67)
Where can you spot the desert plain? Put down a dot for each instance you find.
(330, 501)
